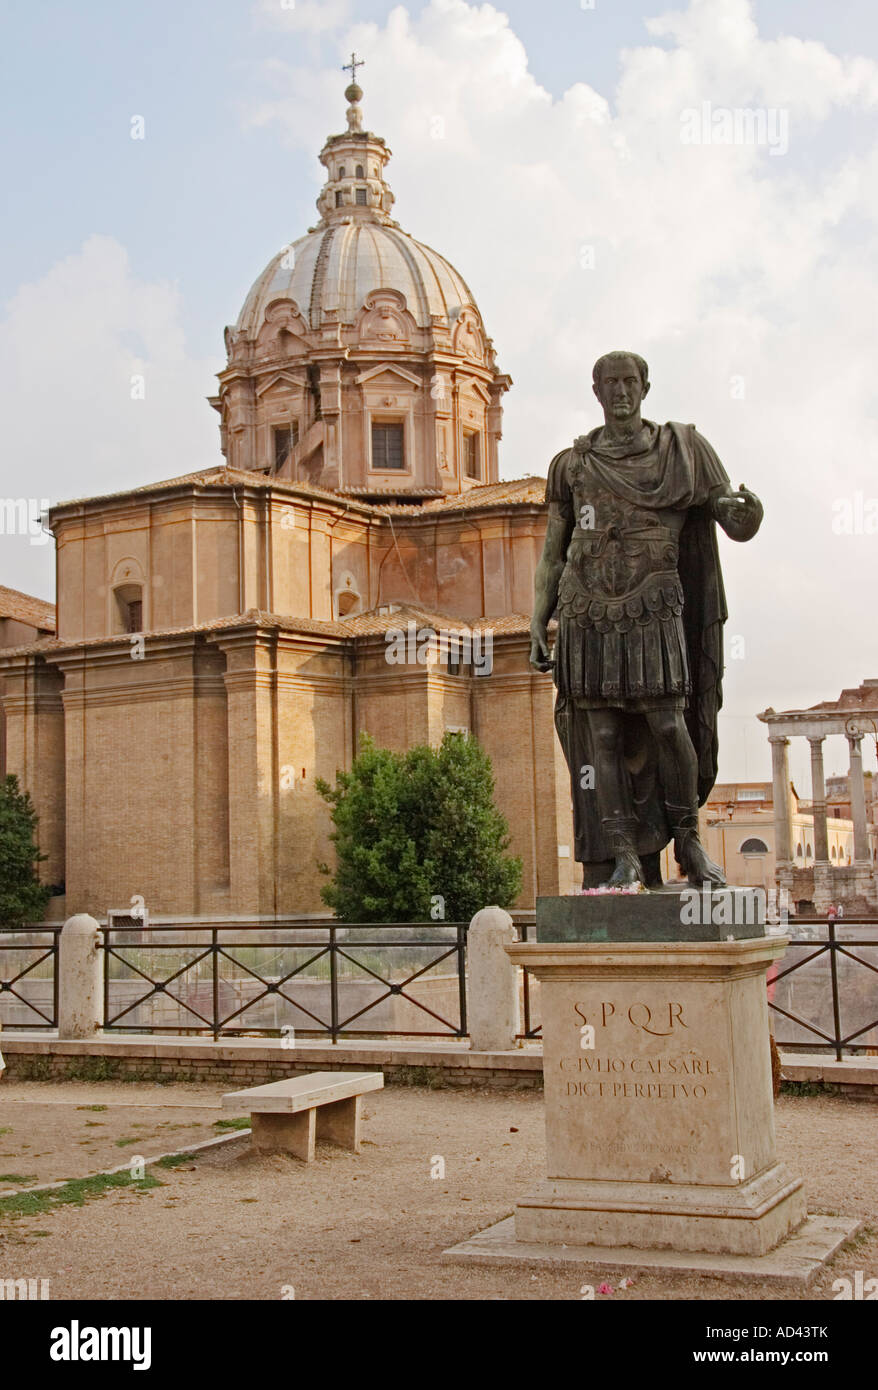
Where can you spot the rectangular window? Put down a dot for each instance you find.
(134, 616)
(387, 446)
(361, 197)
(286, 437)
(338, 200)
(471, 455)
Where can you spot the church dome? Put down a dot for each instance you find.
(329, 272)
(360, 360)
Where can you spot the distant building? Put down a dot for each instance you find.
(23, 619)
(738, 828)
(841, 870)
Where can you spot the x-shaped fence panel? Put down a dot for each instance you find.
(333, 979)
(29, 976)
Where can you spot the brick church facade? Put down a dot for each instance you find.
(223, 637)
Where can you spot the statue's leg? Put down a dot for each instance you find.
(618, 823)
(678, 771)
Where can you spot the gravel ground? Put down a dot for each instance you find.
(53, 1131)
(235, 1226)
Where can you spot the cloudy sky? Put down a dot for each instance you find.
(571, 159)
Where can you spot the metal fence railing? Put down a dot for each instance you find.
(530, 1030)
(299, 978)
(321, 978)
(29, 976)
(825, 987)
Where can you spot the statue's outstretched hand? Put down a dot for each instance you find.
(739, 513)
(540, 659)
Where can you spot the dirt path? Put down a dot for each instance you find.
(55, 1131)
(371, 1226)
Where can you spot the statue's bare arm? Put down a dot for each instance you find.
(548, 576)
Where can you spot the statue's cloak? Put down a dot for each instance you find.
(677, 470)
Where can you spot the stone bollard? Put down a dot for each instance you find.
(492, 996)
(80, 978)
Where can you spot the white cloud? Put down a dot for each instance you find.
(70, 345)
(714, 261)
(309, 16)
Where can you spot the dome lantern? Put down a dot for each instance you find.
(355, 162)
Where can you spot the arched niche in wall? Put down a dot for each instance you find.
(127, 597)
(346, 600)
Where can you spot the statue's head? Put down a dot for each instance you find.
(620, 380)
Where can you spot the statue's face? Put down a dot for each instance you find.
(620, 389)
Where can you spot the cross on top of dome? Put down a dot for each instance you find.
(354, 93)
(352, 66)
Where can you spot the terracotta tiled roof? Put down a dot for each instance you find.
(251, 618)
(530, 490)
(222, 477)
(398, 615)
(398, 493)
(24, 608)
(371, 624)
(858, 697)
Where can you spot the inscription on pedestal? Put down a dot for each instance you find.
(659, 1112)
(637, 1084)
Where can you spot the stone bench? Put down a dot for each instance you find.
(290, 1116)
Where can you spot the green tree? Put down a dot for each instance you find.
(413, 827)
(22, 897)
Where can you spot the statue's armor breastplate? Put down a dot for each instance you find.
(621, 565)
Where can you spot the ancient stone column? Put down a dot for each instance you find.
(858, 799)
(492, 994)
(818, 801)
(81, 978)
(780, 772)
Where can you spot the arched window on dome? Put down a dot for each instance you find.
(808, 851)
(832, 852)
(799, 850)
(360, 172)
(341, 171)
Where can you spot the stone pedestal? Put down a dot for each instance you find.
(659, 1110)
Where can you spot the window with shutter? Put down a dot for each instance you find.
(471, 455)
(387, 446)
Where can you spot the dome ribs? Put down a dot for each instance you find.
(315, 310)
